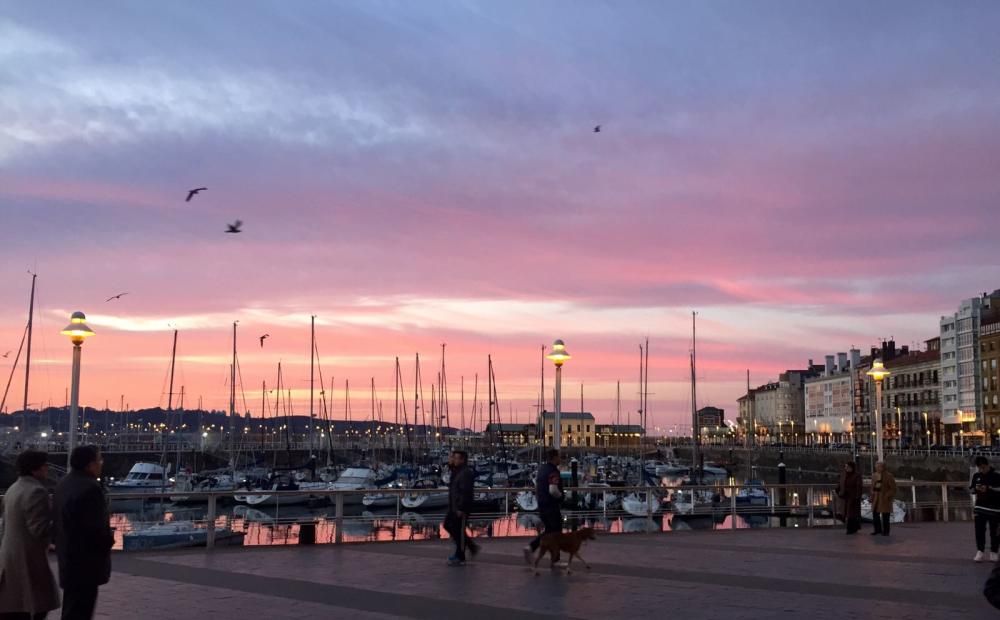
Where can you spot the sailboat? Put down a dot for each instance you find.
(643, 503)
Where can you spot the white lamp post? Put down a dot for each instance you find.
(558, 357)
(77, 331)
(878, 373)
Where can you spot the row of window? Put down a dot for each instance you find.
(568, 428)
(911, 379)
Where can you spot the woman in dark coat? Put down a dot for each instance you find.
(849, 491)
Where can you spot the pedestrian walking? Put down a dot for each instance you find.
(27, 588)
(461, 486)
(849, 490)
(549, 492)
(83, 534)
(883, 497)
(986, 486)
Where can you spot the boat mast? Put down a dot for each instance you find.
(232, 406)
(173, 360)
(27, 359)
(312, 381)
(695, 436)
(645, 395)
(618, 414)
(443, 411)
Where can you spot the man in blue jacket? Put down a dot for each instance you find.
(986, 486)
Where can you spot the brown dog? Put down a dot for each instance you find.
(570, 542)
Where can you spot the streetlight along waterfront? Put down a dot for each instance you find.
(878, 373)
(558, 357)
(77, 331)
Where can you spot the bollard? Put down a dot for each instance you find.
(339, 518)
(210, 522)
(783, 492)
(732, 505)
(944, 502)
(649, 511)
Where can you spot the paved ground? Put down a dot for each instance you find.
(923, 571)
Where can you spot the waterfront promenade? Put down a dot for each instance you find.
(923, 571)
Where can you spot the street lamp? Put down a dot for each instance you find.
(558, 357)
(77, 331)
(878, 373)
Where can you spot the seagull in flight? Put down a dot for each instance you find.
(118, 296)
(234, 227)
(7, 354)
(262, 339)
(597, 129)
(194, 192)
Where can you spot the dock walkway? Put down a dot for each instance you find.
(923, 571)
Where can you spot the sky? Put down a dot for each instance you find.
(806, 176)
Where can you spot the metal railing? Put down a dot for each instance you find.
(614, 509)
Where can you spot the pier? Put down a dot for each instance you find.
(922, 571)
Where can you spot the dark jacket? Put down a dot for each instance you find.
(990, 500)
(548, 474)
(849, 490)
(83, 531)
(461, 490)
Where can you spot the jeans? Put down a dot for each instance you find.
(79, 602)
(982, 519)
(881, 521)
(552, 520)
(455, 526)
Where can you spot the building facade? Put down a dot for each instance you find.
(989, 352)
(512, 434)
(618, 435)
(962, 406)
(829, 411)
(912, 398)
(779, 405)
(711, 417)
(578, 428)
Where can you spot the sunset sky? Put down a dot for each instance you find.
(807, 176)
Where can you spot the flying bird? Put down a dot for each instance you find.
(234, 227)
(262, 339)
(7, 353)
(118, 296)
(194, 192)
(597, 129)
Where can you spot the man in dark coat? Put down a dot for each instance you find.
(549, 491)
(849, 491)
(83, 534)
(461, 494)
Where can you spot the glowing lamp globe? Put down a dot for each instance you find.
(558, 354)
(77, 330)
(878, 371)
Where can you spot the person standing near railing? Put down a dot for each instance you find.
(883, 496)
(83, 534)
(849, 491)
(986, 487)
